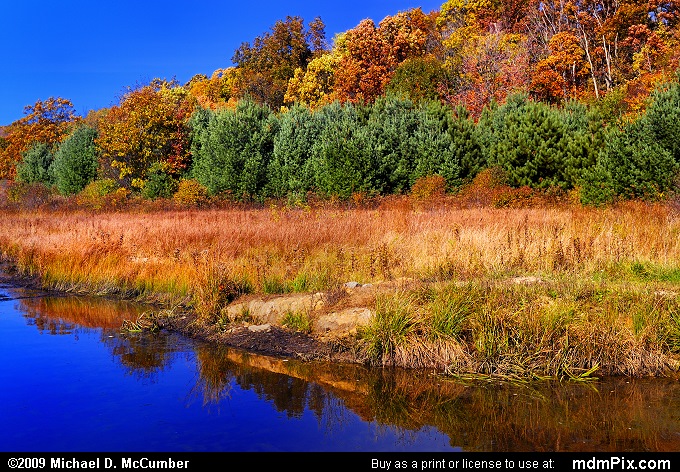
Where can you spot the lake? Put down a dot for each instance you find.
(72, 380)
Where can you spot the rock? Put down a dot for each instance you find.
(352, 284)
(269, 313)
(345, 321)
(273, 310)
(528, 280)
(260, 328)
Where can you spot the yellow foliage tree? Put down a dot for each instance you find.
(222, 89)
(313, 87)
(149, 126)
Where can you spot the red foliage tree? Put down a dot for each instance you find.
(48, 122)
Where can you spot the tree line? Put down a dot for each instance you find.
(558, 94)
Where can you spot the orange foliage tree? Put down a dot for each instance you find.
(495, 66)
(485, 52)
(564, 73)
(266, 65)
(221, 89)
(370, 54)
(362, 72)
(617, 39)
(47, 122)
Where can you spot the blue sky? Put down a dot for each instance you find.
(89, 52)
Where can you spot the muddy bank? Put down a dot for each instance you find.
(257, 323)
(264, 339)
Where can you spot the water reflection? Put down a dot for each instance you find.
(616, 415)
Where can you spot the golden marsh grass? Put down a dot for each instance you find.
(593, 286)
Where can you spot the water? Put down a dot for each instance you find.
(73, 381)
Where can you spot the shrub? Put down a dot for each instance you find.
(159, 183)
(190, 193)
(94, 194)
(28, 195)
(485, 188)
(429, 187)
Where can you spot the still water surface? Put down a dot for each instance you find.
(73, 381)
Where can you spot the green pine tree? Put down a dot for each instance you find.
(35, 165)
(289, 172)
(76, 161)
(233, 148)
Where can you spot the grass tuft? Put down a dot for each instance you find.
(299, 322)
(392, 325)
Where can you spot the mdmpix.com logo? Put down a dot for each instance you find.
(621, 463)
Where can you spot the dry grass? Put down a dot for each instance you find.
(166, 251)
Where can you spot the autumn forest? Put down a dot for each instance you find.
(579, 96)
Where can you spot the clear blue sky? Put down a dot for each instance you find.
(89, 51)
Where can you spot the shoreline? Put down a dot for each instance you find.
(271, 340)
(517, 293)
(343, 346)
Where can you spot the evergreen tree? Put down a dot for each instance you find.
(585, 135)
(633, 164)
(35, 165)
(535, 144)
(663, 117)
(75, 162)
(290, 170)
(341, 159)
(233, 149)
(492, 120)
(388, 133)
(198, 126)
(445, 143)
(528, 147)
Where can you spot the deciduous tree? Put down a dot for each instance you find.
(494, 66)
(564, 73)
(421, 79)
(314, 85)
(371, 53)
(149, 126)
(270, 61)
(221, 89)
(46, 122)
